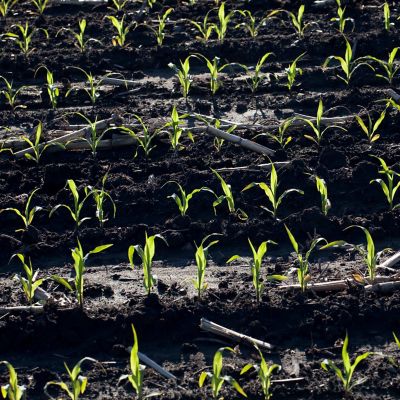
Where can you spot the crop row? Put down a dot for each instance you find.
(76, 384)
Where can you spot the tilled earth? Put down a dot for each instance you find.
(305, 328)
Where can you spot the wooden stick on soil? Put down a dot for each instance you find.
(247, 144)
(33, 309)
(152, 364)
(384, 287)
(288, 380)
(393, 260)
(255, 168)
(212, 327)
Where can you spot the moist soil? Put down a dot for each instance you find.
(305, 328)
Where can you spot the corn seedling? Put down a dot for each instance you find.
(316, 125)
(119, 39)
(397, 340)
(145, 140)
(40, 5)
(118, 5)
(205, 28)
(255, 265)
(346, 375)
(368, 253)
(217, 380)
(159, 32)
(372, 127)
(264, 374)
(280, 136)
(228, 197)
(257, 76)
(303, 268)
(341, 19)
(76, 209)
(77, 383)
(182, 199)
(6, 6)
(389, 188)
(11, 94)
(223, 21)
(296, 19)
(28, 214)
(35, 147)
(323, 191)
(214, 69)
(251, 24)
(386, 17)
(30, 282)
(185, 79)
(146, 254)
(348, 64)
(218, 142)
(390, 67)
(201, 263)
(52, 90)
(292, 71)
(80, 41)
(100, 196)
(94, 86)
(271, 191)
(12, 391)
(137, 370)
(174, 129)
(79, 258)
(24, 36)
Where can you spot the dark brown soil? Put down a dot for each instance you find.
(306, 328)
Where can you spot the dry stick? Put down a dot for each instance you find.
(81, 132)
(152, 364)
(288, 380)
(118, 82)
(248, 144)
(225, 121)
(393, 260)
(254, 168)
(33, 309)
(324, 120)
(78, 2)
(212, 327)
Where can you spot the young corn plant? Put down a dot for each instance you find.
(228, 197)
(80, 259)
(303, 269)
(271, 191)
(6, 6)
(119, 39)
(296, 19)
(264, 374)
(118, 5)
(201, 256)
(218, 380)
(386, 17)
(251, 23)
(341, 19)
(280, 135)
(77, 207)
(144, 140)
(316, 125)
(159, 32)
(174, 129)
(146, 254)
(30, 282)
(372, 127)
(12, 391)
(183, 198)
(348, 64)
(389, 187)
(292, 72)
(323, 191)
(204, 28)
(368, 253)
(80, 41)
(24, 37)
(77, 383)
(345, 376)
(255, 265)
(100, 196)
(35, 147)
(40, 5)
(224, 18)
(137, 370)
(185, 79)
(390, 68)
(52, 90)
(11, 94)
(218, 142)
(257, 76)
(28, 214)
(214, 69)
